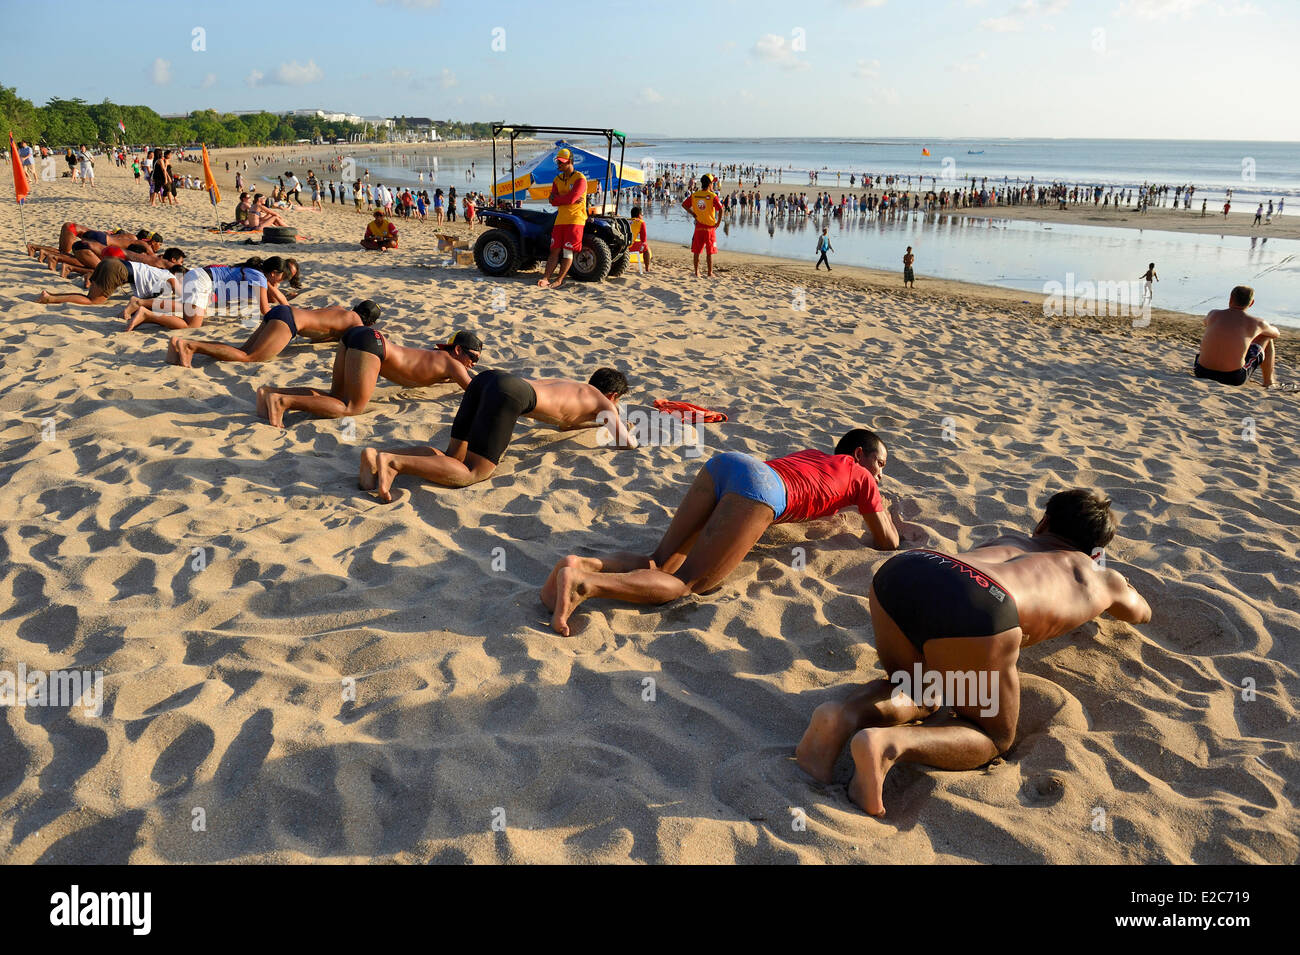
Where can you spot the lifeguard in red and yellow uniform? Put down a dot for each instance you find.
(569, 196)
(704, 205)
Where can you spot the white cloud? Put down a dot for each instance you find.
(971, 65)
(292, 73)
(1239, 8)
(160, 72)
(447, 79)
(883, 96)
(864, 4)
(1002, 24)
(651, 95)
(1157, 9)
(209, 81)
(773, 48)
(867, 69)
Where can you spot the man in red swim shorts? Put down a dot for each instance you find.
(569, 196)
(703, 204)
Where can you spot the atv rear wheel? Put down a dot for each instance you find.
(618, 266)
(593, 262)
(496, 253)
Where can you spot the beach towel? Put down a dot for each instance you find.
(689, 412)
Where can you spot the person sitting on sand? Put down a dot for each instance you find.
(485, 423)
(279, 326)
(966, 618)
(214, 286)
(734, 499)
(261, 217)
(1236, 343)
(380, 234)
(364, 356)
(112, 273)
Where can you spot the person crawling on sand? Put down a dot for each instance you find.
(363, 357)
(962, 621)
(1236, 343)
(256, 282)
(279, 326)
(87, 254)
(112, 273)
(485, 423)
(734, 499)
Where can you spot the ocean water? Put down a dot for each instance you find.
(1196, 271)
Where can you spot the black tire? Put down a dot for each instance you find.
(279, 235)
(618, 266)
(496, 253)
(593, 262)
(526, 265)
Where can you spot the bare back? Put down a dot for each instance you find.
(567, 405)
(324, 323)
(1228, 333)
(1056, 588)
(420, 367)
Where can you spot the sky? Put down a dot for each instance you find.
(1167, 69)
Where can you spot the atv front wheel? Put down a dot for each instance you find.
(496, 253)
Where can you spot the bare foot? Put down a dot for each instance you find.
(181, 352)
(544, 283)
(873, 757)
(570, 592)
(261, 399)
(43, 298)
(385, 474)
(274, 409)
(548, 588)
(366, 476)
(133, 316)
(822, 741)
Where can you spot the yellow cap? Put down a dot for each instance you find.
(563, 154)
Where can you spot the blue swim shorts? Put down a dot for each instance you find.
(744, 474)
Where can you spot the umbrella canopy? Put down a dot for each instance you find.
(533, 179)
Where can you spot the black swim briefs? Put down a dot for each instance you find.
(493, 402)
(283, 313)
(932, 596)
(1254, 358)
(365, 339)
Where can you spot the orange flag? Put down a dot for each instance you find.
(209, 181)
(20, 178)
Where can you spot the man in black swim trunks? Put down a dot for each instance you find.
(1236, 342)
(966, 619)
(364, 356)
(279, 326)
(485, 423)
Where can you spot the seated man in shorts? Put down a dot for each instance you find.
(364, 356)
(380, 233)
(735, 498)
(966, 618)
(112, 273)
(485, 423)
(279, 326)
(1236, 343)
(256, 282)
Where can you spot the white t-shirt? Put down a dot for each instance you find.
(291, 184)
(148, 280)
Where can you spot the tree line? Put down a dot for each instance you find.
(66, 122)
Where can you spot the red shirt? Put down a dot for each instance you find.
(818, 485)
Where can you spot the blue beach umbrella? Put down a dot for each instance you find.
(533, 179)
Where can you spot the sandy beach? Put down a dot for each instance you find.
(235, 586)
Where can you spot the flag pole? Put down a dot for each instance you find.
(22, 219)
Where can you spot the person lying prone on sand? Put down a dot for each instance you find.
(87, 254)
(254, 282)
(965, 619)
(364, 356)
(279, 326)
(485, 423)
(734, 499)
(1235, 343)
